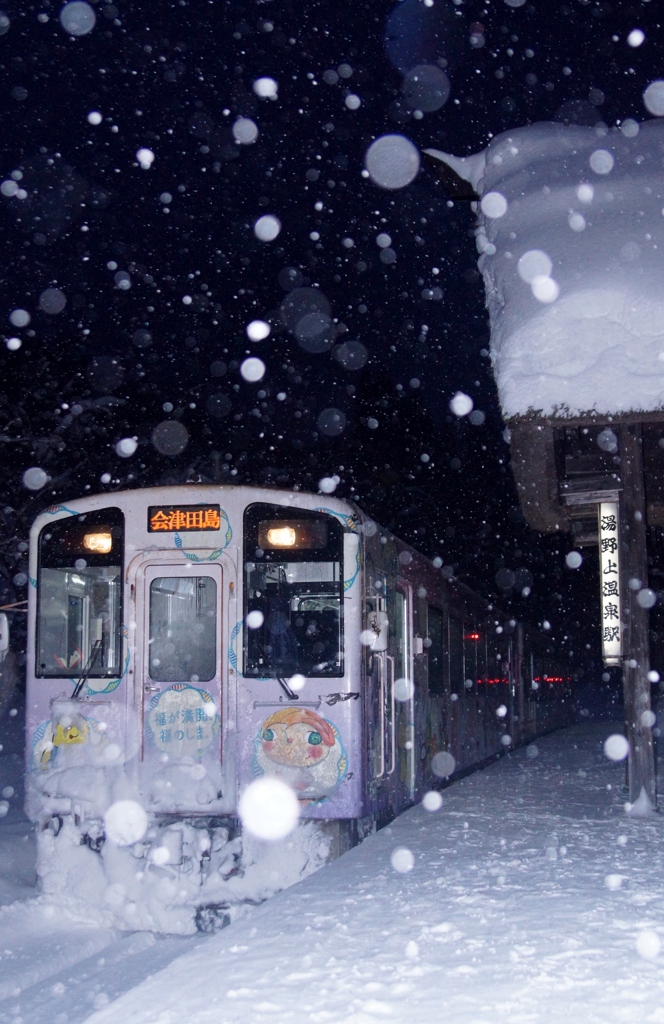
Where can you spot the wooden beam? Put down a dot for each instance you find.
(534, 469)
(636, 647)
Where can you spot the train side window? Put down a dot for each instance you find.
(470, 640)
(183, 629)
(436, 651)
(480, 649)
(455, 642)
(494, 668)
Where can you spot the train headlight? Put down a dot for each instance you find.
(281, 537)
(99, 543)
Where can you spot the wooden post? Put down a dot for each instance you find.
(636, 648)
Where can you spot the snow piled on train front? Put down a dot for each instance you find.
(102, 857)
(571, 236)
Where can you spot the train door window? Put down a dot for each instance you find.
(183, 629)
(455, 641)
(436, 652)
(293, 593)
(79, 596)
(401, 636)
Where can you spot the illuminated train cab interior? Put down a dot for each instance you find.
(185, 642)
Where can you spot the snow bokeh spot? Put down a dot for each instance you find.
(258, 330)
(392, 161)
(648, 944)
(34, 478)
(78, 18)
(533, 264)
(426, 87)
(267, 227)
(252, 369)
(266, 88)
(432, 801)
(544, 288)
(126, 447)
(616, 747)
(19, 318)
(461, 404)
(126, 822)
(269, 808)
(245, 131)
(145, 158)
(494, 205)
(170, 437)
(573, 559)
(52, 301)
(602, 161)
(402, 860)
(332, 422)
(577, 221)
(653, 98)
(403, 689)
(443, 764)
(630, 128)
(647, 598)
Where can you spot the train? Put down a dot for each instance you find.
(186, 641)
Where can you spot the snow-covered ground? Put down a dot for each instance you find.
(533, 897)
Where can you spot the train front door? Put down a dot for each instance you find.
(180, 683)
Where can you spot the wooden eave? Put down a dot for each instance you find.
(545, 473)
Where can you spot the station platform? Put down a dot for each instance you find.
(533, 896)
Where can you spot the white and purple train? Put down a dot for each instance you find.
(185, 640)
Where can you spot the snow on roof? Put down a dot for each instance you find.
(571, 236)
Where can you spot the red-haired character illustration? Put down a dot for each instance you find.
(304, 750)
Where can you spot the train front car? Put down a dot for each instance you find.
(184, 642)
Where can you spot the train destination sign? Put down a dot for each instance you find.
(180, 518)
(609, 568)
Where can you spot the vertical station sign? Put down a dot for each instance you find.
(609, 570)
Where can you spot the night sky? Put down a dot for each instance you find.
(162, 271)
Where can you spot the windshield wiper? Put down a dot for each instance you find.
(291, 695)
(96, 648)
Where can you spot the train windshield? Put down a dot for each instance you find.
(79, 596)
(293, 594)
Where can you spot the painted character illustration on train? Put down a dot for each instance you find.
(186, 642)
